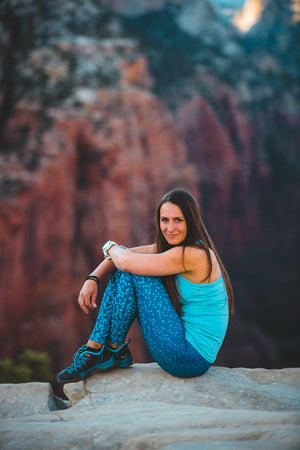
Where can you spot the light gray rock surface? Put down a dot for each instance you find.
(145, 408)
(18, 400)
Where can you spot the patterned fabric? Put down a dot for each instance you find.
(128, 296)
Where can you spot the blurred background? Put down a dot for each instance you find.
(106, 105)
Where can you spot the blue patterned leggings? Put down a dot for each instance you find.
(128, 296)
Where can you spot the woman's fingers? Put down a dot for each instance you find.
(94, 299)
(87, 297)
(81, 302)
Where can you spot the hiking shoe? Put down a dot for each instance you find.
(85, 362)
(122, 355)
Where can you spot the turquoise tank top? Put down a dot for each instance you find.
(204, 315)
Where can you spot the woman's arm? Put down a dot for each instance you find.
(152, 264)
(191, 261)
(145, 249)
(88, 293)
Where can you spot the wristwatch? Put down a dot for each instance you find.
(106, 247)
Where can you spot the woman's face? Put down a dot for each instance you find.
(172, 223)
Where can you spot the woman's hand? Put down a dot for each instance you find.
(88, 295)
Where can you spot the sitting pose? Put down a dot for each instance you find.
(178, 289)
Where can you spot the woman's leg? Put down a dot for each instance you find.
(163, 330)
(161, 326)
(117, 311)
(116, 314)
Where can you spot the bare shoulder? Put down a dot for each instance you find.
(195, 255)
(197, 252)
(197, 265)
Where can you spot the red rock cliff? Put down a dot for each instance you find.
(220, 143)
(99, 172)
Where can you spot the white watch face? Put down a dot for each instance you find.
(107, 246)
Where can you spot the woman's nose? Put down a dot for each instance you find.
(170, 226)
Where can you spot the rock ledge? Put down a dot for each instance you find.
(144, 407)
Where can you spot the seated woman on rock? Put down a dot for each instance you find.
(178, 289)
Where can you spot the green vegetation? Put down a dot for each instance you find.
(30, 366)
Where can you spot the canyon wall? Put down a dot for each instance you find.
(104, 107)
(99, 175)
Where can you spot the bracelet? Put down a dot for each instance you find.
(92, 277)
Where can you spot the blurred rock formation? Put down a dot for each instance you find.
(105, 106)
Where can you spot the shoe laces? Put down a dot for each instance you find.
(79, 352)
(76, 359)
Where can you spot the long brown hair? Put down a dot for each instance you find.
(196, 235)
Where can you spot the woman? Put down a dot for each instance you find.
(178, 288)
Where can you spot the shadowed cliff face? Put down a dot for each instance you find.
(235, 100)
(99, 172)
(224, 166)
(102, 111)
